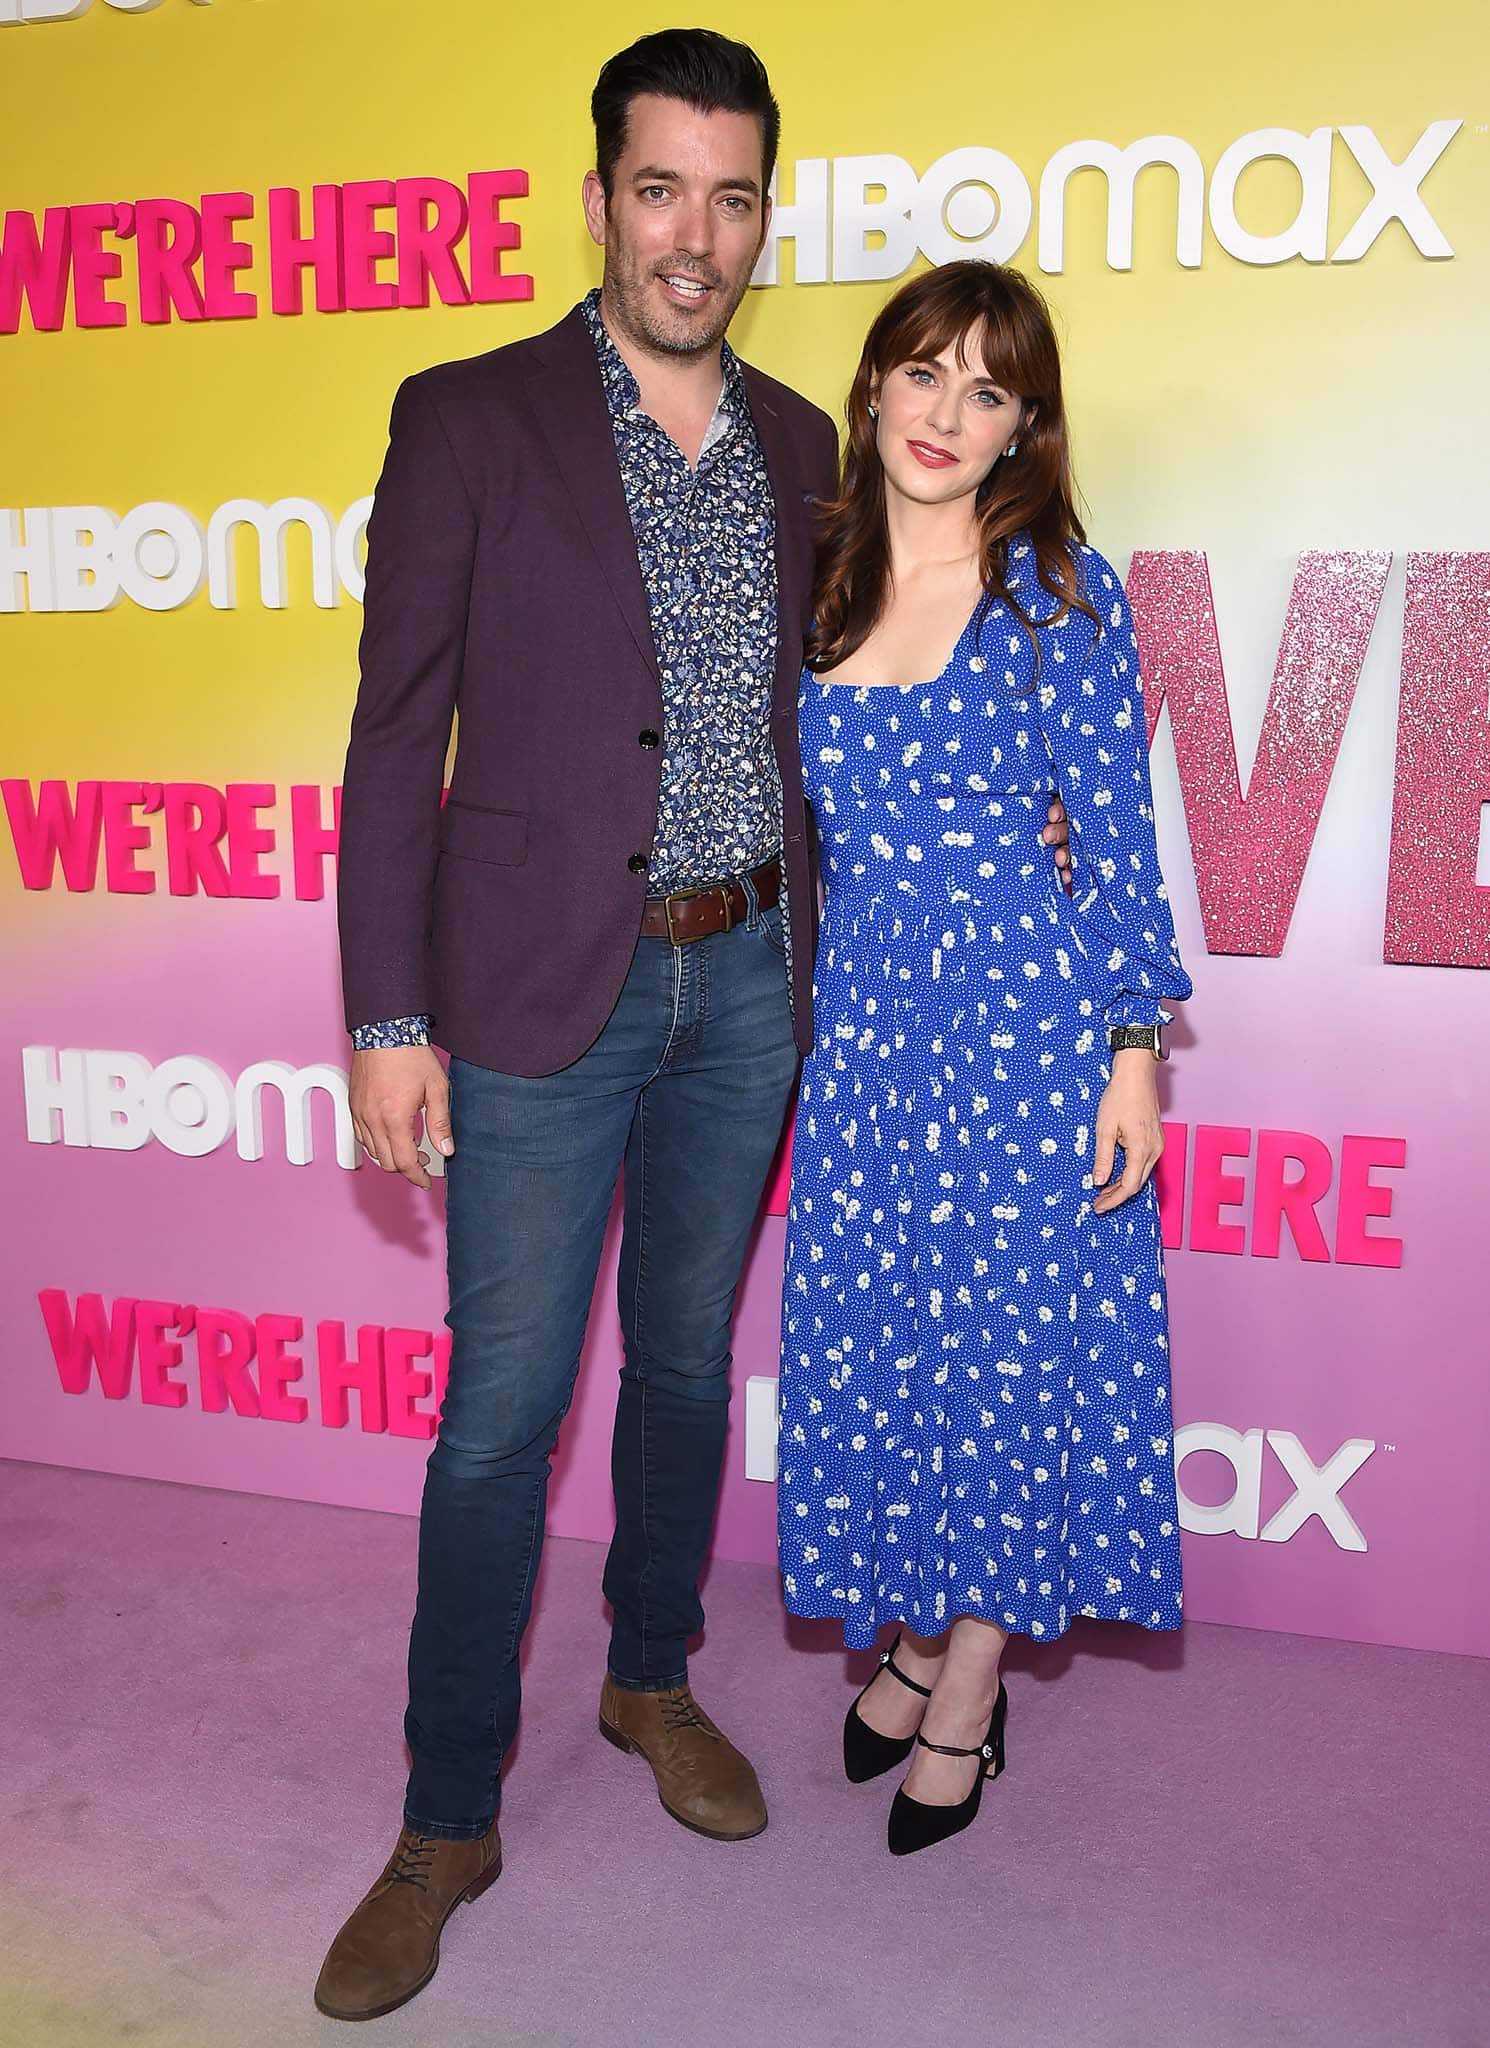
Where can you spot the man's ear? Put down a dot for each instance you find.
(592, 197)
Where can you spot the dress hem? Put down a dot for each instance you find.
(860, 1639)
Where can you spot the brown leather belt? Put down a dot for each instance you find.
(688, 914)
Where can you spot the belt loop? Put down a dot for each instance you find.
(753, 915)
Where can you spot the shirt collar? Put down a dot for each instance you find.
(623, 395)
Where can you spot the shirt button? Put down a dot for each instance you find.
(648, 738)
(638, 864)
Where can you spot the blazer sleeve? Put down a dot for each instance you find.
(421, 544)
(1092, 710)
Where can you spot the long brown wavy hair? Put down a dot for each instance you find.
(1030, 491)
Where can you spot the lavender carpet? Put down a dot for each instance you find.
(1234, 1839)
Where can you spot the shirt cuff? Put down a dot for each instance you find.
(391, 1031)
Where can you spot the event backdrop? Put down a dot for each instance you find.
(231, 227)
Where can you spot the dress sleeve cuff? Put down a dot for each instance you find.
(391, 1031)
(1141, 1012)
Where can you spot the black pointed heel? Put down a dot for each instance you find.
(866, 1753)
(914, 1825)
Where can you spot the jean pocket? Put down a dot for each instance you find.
(770, 925)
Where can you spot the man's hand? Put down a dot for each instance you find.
(1128, 1115)
(387, 1090)
(1057, 834)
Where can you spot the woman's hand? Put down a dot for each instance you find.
(1128, 1115)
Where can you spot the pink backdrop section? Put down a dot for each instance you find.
(1326, 1351)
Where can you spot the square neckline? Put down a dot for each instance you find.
(985, 598)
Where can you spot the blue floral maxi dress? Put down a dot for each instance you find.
(975, 1412)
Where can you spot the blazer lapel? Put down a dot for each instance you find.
(793, 534)
(567, 395)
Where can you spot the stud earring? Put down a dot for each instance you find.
(874, 412)
(1012, 449)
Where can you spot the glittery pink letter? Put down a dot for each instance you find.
(1250, 852)
(1437, 914)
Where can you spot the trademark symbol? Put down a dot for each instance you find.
(1389, 1447)
(1482, 127)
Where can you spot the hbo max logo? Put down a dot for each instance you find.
(1316, 1487)
(121, 1102)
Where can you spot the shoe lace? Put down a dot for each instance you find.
(681, 1710)
(412, 1861)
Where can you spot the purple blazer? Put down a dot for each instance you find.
(503, 585)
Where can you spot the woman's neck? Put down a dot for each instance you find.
(929, 536)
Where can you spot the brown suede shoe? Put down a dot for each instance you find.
(702, 1779)
(390, 1948)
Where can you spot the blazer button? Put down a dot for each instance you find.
(648, 738)
(638, 864)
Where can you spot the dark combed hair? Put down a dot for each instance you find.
(1031, 492)
(706, 71)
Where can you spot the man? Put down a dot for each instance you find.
(597, 544)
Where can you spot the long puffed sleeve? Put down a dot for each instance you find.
(1091, 704)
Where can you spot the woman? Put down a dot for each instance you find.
(975, 1437)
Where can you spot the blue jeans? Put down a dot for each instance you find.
(687, 1086)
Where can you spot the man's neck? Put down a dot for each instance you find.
(676, 385)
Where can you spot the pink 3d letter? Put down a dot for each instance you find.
(1215, 1189)
(223, 256)
(1437, 914)
(225, 1347)
(491, 236)
(278, 1367)
(93, 267)
(314, 840)
(339, 1374)
(290, 252)
(90, 1341)
(35, 268)
(170, 241)
(1250, 851)
(1360, 1199)
(1278, 1197)
(426, 246)
(48, 827)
